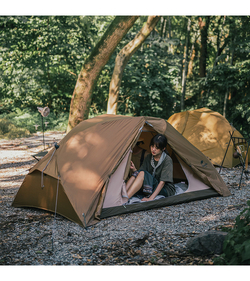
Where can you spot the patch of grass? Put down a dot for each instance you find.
(24, 123)
(9, 131)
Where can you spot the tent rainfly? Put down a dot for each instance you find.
(209, 132)
(84, 178)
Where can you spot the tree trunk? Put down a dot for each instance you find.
(122, 60)
(191, 62)
(203, 50)
(225, 102)
(82, 95)
(170, 48)
(220, 49)
(226, 97)
(163, 27)
(185, 68)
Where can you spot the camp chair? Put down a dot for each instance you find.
(38, 156)
(241, 146)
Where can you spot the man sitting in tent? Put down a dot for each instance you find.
(155, 176)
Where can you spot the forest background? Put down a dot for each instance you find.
(187, 62)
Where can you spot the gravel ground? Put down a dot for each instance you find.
(154, 237)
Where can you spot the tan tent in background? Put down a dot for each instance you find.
(209, 132)
(83, 180)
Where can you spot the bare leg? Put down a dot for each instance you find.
(136, 185)
(130, 182)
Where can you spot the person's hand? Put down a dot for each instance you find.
(132, 166)
(146, 199)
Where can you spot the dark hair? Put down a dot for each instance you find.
(160, 141)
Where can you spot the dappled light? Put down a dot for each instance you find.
(65, 181)
(209, 132)
(74, 174)
(88, 158)
(74, 142)
(94, 139)
(82, 143)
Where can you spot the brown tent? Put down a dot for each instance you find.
(209, 132)
(83, 180)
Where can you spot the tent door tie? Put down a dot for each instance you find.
(56, 147)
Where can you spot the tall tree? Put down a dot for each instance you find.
(204, 25)
(82, 95)
(185, 68)
(122, 60)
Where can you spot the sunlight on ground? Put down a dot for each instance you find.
(210, 218)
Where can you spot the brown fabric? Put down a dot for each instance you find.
(30, 194)
(90, 154)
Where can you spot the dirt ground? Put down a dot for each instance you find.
(16, 158)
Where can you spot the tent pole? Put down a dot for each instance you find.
(231, 135)
(85, 224)
(53, 228)
(43, 133)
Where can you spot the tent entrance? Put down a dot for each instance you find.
(116, 189)
(178, 174)
(116, 194)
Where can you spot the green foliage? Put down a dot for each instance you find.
(22, 123)
(149, 91)
(236, 247)
(148, 82)
(41, 57)
(9, 131)
(233, 79)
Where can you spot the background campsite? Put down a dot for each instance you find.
(135, 66)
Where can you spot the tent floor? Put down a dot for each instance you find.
(164, 202)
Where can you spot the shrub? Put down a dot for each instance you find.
(22, 123)
(236, 247)
(5, 126)
(10, 131)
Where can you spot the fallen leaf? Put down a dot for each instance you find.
(77, 256)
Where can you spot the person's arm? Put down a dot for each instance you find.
(155, 193)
